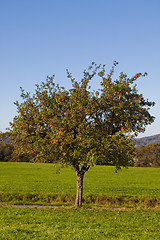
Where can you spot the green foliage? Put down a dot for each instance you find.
(69, 224)
(148, 156)
(78, 126)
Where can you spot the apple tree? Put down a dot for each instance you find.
(80, 126)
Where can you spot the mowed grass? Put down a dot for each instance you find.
(62, 223)
(28, 183)
(37, 182)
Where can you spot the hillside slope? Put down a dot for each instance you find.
(148, 140)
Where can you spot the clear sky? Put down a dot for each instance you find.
(46, 37)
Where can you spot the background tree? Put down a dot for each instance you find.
(79, 126)
(148, 156)
(6, 150)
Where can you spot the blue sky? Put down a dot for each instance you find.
(45, 37)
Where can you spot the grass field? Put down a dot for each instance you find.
(62, 223)
(24, 183)
(107, 213)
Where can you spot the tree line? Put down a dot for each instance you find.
(146, 156)
(7, 150)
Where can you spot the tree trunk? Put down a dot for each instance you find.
(78, 202)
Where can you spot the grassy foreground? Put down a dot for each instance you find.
(29, 183)
(59, 223)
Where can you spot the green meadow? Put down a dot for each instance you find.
(123, 205)
(30, 183)
(62, 223)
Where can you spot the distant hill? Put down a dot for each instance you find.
(147, 140)
(5, 137)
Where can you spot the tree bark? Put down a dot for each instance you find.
(78, 202)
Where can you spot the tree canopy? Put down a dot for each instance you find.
(79, 126)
